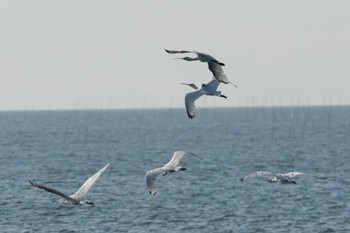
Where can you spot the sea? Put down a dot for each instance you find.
(63, 148)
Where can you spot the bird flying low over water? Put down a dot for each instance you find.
(213, 64)
(76, 198)
(274, 178)
(170, 167)
(206, 89)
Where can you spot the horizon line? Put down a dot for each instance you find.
(175, 108)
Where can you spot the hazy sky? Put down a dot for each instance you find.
(110, 54)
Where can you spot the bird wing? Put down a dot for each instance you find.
(213, 84)
(54, 191)
(88, 183)
(194, 86)
(174, 161)
(218, 72)
(203, 57)
(177, 51)
(256, 174)
(291, 174)
(190, 98)
(151, 181)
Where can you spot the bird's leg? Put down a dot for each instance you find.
(164, 173)
(223, 96)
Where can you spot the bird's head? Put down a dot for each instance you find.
(86, 202)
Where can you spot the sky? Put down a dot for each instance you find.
(110, 54)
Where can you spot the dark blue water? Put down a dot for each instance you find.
(63, 148)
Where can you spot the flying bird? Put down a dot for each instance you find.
(274, 178)
(206, 89)
(213, 64)
(170, 167)
(76, 198)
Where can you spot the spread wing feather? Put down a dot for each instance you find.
(256, 174)
(174, 162)
(54, 191)
(88, 184)
(151, 179)
(218, 72)
(177, 51)
(190, 98)
(291, 174)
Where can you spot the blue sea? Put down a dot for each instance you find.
(62, 149)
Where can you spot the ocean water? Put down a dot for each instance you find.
(63, 148)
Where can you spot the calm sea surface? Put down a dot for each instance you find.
(63, 148)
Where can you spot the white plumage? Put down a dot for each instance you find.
(170, 167)
(75, 198)
(194, 86)
(273, 178)
(206, 89)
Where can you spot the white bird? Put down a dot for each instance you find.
(170, 167)
(206, 89)
(274, 178)
(194, 86)
(76, 198)
(213, 64)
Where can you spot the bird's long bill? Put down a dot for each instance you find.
(195, 155)
(234, 84)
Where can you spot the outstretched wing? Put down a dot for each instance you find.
(174, 162)
(256, 174)
(291, 174)
(190, 98)
(88, 183)
(194, 86)
(212, 85)
(203, 57)
(54, 191)
(218, 72)
(177, 51)
(151, 181)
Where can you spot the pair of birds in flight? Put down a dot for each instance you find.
(206, 89)
(151, 175)
(151, 179)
